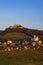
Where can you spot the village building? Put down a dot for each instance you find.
(7, 45)
(36, 38)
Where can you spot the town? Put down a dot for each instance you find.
(33, 43)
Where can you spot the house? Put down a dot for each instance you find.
(9, 41)
(36, 38)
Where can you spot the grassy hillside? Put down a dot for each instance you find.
(23, 57)
(16, 35)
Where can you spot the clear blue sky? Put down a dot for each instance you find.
(28, 13)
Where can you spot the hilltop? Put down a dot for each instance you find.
(16, 26)
(18, 31)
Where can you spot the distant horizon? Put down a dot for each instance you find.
(28, 13)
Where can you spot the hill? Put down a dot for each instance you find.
(17, 31)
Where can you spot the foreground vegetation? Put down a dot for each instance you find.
(22, 57)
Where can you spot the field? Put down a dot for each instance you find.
(21, 57)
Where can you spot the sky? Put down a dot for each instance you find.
(28, 13)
